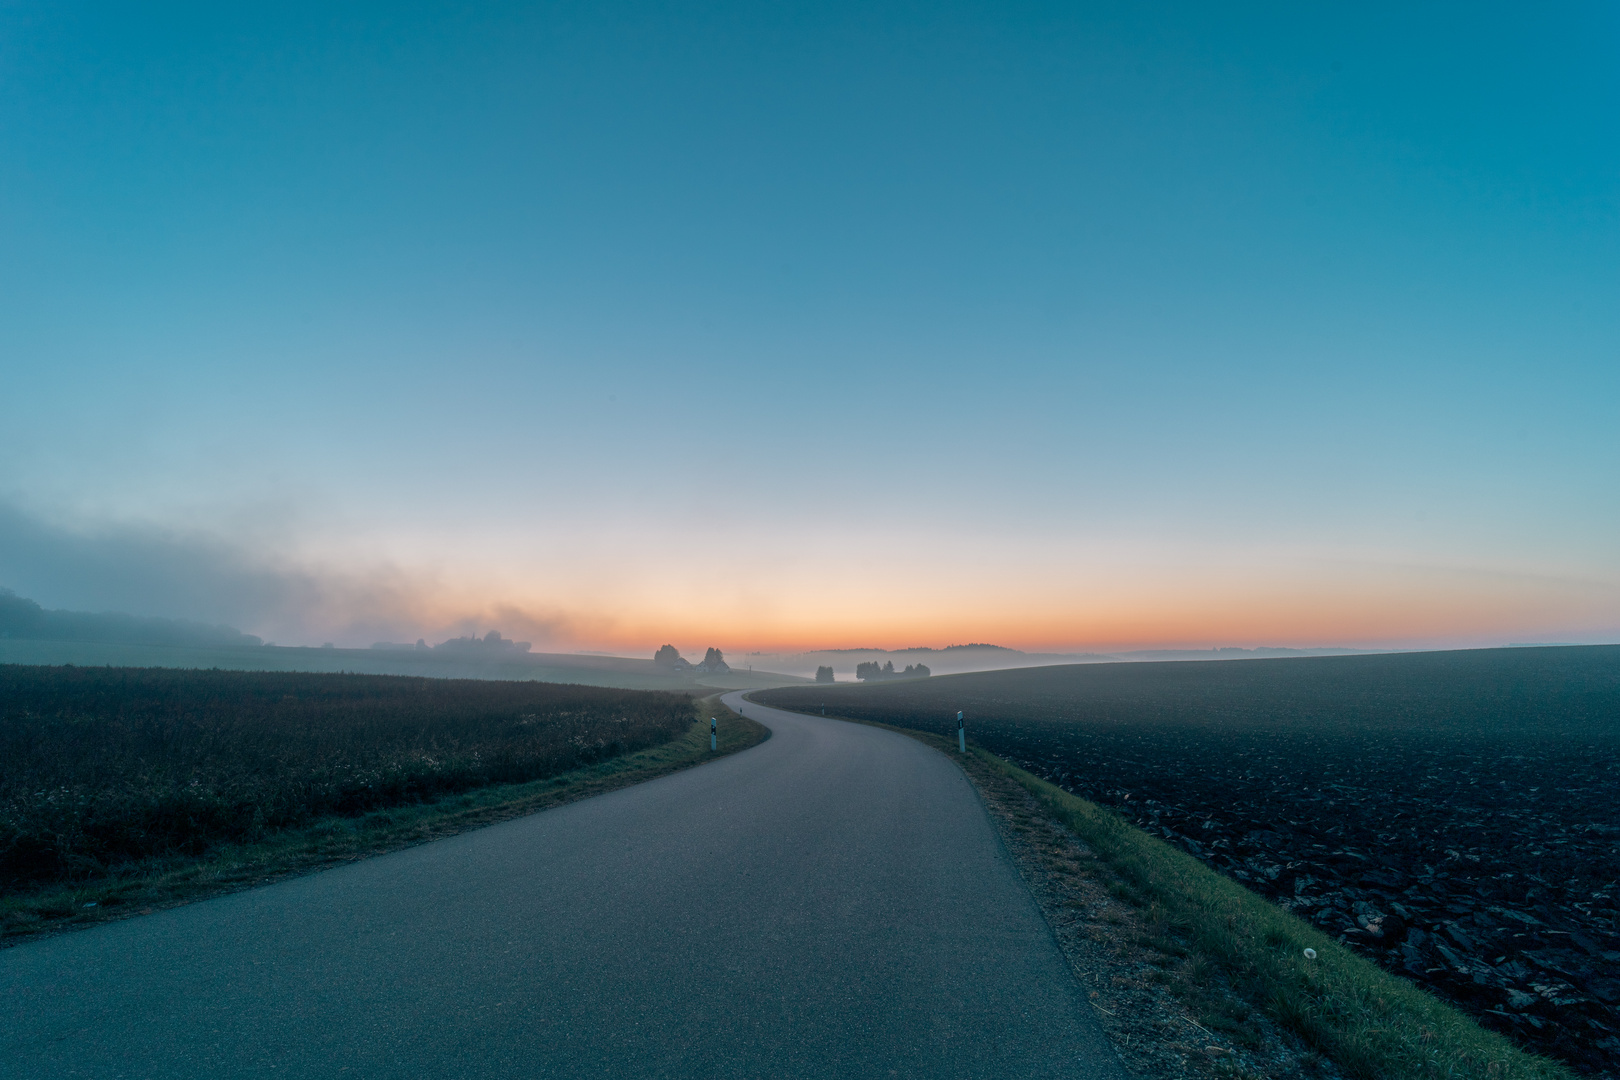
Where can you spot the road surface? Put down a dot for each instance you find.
(832, 903)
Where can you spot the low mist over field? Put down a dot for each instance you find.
(31, 633)
(952, 659)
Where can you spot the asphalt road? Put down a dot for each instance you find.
(832, 903)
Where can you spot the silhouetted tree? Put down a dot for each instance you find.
(666, 656)
(824, 674)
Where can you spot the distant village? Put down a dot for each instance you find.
(714, 662)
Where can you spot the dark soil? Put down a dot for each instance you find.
(1169, 1014)
(1453, 816)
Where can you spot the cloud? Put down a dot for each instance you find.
(148, 570)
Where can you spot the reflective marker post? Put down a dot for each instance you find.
(961, 734)
(714, 734)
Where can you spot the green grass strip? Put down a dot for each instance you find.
(1369, 1022)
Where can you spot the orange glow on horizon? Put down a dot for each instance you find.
(1354, 610)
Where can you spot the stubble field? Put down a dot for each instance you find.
(102, 768)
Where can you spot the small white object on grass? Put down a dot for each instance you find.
(1310, 954)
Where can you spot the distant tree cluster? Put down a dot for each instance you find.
(871, 672)
(824, 674)
(489, 643)
(669, 658)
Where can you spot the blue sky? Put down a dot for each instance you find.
(806, 325)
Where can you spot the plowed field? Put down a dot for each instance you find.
(1453, 816)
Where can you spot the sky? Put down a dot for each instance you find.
(784, 326)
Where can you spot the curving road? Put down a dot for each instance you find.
(831, 903)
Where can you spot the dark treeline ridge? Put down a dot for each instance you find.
(101, 767)
(23, 618)
(1452, 816)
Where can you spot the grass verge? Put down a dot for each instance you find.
(143, 887)
(1365, 1020)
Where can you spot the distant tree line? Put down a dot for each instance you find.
(871, 672)
(23, 618)
(488, 644)
(491, 644)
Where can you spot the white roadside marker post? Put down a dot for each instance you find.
(961, 734)
(714, 734)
